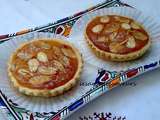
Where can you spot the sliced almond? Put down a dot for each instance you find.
(23, 72)
(58, 65)
(42, 57)
(64, 61)
(98, 28)
(131, 43)
(47, 70)
(56, 50)
(68, 52)
(125, 26)
(33, 65)
(45, 45)
(104, 19)
(36, 80)
(24, 55)
(122, 19)
(112, 36)
(111, 28)
(123, 42)
(139, 35)
(135, 25)
(115, 47)
(33, 48)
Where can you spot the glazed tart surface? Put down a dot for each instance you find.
(45, 67)
(117, 38)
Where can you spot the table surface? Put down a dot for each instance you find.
(139, 99)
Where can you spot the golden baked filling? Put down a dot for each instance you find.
(44, 64)
(116, 34)
(117, 38)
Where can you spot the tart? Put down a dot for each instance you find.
(117, 38)
(45, 67)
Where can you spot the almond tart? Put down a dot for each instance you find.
(117, 38)
(45, 67)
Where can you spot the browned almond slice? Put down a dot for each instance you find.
(45, 45)
(111, 28)
(115, 47)
(58, 65)
(104, 19)
(42, 57)
(139, 35)
(68, 52)
(47, 70)
(131, 43)
(98, 28)
(125, 26)
(33, 65)
(112, 36)
(123, 42)
(23, 72)
(101, 39)
(33, 48)
(64, 61)
(135, 25)
(24, 56)
(39, 79)
(123, 20)
(56, 50)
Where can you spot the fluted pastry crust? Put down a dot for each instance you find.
(116, 57)
(107, 55)
(47, 92)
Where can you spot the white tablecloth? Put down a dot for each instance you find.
(137, 101)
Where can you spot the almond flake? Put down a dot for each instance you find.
(125, 26)
(111, 28)
(135, 25)
(36, 80)
(33, 65)
(24, 56)
(97, 28)
(58, 65)
(57, 51)
(122, 19)
(139, 35)
(115, 47)
(131, 43)
(64, 61)
(104, 19)
(68, 52)
(112, 36)
(47, 70)
(42, 57)
(23, 72)
(45, 45)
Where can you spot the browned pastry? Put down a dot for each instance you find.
(116, 38)
(45, 67)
